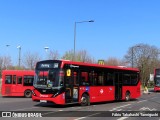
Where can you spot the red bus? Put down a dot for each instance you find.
(66, 82)
(17, 83)
(157, 79)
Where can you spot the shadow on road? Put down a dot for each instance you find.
(52, 105)
(13, 97)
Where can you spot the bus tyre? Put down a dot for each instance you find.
(85, 100)
(28, 93)
(128, 96)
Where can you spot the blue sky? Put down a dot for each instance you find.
(119, 24)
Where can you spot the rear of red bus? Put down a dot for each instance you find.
(157, 79)
(17, 83)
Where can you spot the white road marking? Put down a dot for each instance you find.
(142, 101)
(50, 112)
(80, 118)
(25, 108)
(120, 107)
(147, 108)
(122, 118)
(154, 97)
(60, 110)
(119, 110)
(87, 116)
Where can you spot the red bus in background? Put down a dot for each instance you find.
(67, 82)
(157, 79)
(17, 83)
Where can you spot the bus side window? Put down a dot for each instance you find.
(76, 78)
(19, 80)
(101, 80)
(84, 78)
(134, 79)
(28, 80)
(95, 79)
(90, 78)
(110, 79)
(14, 79)
(8, 79)
(127, 79)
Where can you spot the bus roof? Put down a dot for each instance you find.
(92, 65)
(17, 71)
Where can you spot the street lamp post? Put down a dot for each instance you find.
(7, 49)
(7, 52)
(19, 63)
(75, 35)
(7, 45)
(46, 49)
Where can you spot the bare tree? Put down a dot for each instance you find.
(115, 62)
(30, 60)
(144, 57)
(5, 62)
(69, 55)
(81, 56)
(53, 55)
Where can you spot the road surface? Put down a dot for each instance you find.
(147, 102)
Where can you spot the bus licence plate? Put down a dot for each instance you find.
(44, 101)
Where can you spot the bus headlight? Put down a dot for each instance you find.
(33, 93)
(55, 95)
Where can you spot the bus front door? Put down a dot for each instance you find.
(118, 86)
(71, 86)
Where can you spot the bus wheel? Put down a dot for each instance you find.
(85, 100)
(28, 93)
(128, 96)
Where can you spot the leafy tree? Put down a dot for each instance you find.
(144, 57)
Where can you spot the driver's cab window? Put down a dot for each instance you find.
(52, 78)
(42, 78)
